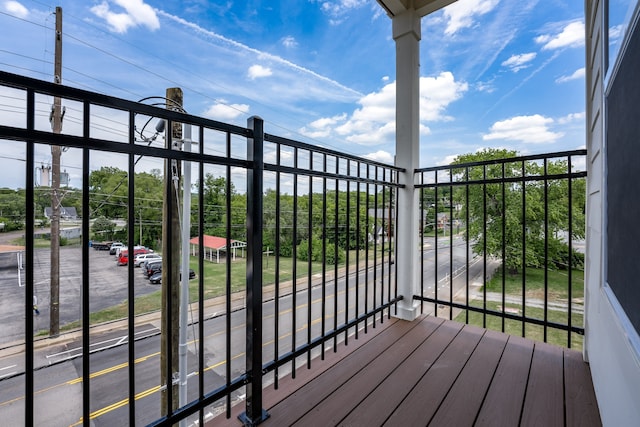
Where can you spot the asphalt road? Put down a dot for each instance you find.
(59, 371)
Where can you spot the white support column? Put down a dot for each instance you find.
(407, 34)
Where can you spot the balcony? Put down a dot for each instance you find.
(437, 372)
(292, 332)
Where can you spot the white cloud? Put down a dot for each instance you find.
(436, 93)
(136, 13)
(571, 35)
(257, 71)
(615, 32)
(447, 160)
(570, 118)
(381, 156)
(487, 87)
(16, 9)
(289, 42)
(461, 14)
(519, 62)
(578, 74)
(528, 129)
(266, 56)
(322, 128)
(374, 122)
(222, 111)
(337, 10)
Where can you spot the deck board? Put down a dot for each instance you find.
(544, 398)
(378, 405)
(420, 405)
(503, 402)
(580, 402)
(435, 372)
(463, 402)
(311, 394)
(332, 409)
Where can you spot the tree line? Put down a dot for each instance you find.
(530, 217)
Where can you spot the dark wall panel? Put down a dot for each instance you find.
(623, 182)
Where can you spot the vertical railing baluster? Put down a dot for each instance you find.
(28, 243)
(254, 414)
(348, 251)
(323, 308)
(546, 250)
(358, 237)
(484, 246)
(524, 247)
(422, 205)
(450, 245)
(366, 253)
(570, 266)
(130, 280)
(375, 243)
(276, 301)
(294, 261)
(435, 246)
(228, 287)
(86, 312)
(309, 257)
(504, 248)
(466, 219)
(201, 347)
(336, 221)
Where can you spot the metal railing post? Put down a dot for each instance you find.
(254, 414)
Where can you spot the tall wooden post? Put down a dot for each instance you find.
(169, 356)
(56, 151)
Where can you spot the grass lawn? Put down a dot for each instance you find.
(557, 284)
(557, 280)
(534, 332)
(215, 283)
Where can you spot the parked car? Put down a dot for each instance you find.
(152, 268)
(156, 279)
(149, 261)
(123, 253)
(141, 258)
(114, 247)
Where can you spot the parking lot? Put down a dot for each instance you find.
(107, 287)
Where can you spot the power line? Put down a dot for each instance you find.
(173, 82)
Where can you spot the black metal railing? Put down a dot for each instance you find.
(499, 244)
(319, 233)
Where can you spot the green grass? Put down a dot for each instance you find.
(215, 283)
(534, 332)
(557, 283)
(557, 292)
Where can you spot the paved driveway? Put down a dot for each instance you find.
(107, 282)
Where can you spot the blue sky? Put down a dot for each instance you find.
(494, 73)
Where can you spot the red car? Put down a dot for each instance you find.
(123, 259)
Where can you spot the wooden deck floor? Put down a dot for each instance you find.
(436, 372)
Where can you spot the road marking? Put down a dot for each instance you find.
(118, 405)
(7, 374)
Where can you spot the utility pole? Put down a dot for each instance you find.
(56, 151)
(169, 337)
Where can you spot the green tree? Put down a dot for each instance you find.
(496, 212)
(109, 193)
(12, 208)
(103, 228)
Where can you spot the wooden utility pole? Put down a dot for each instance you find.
(56, 151)
(169, 338)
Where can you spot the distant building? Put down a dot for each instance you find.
(65, 213)
(214, 245)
